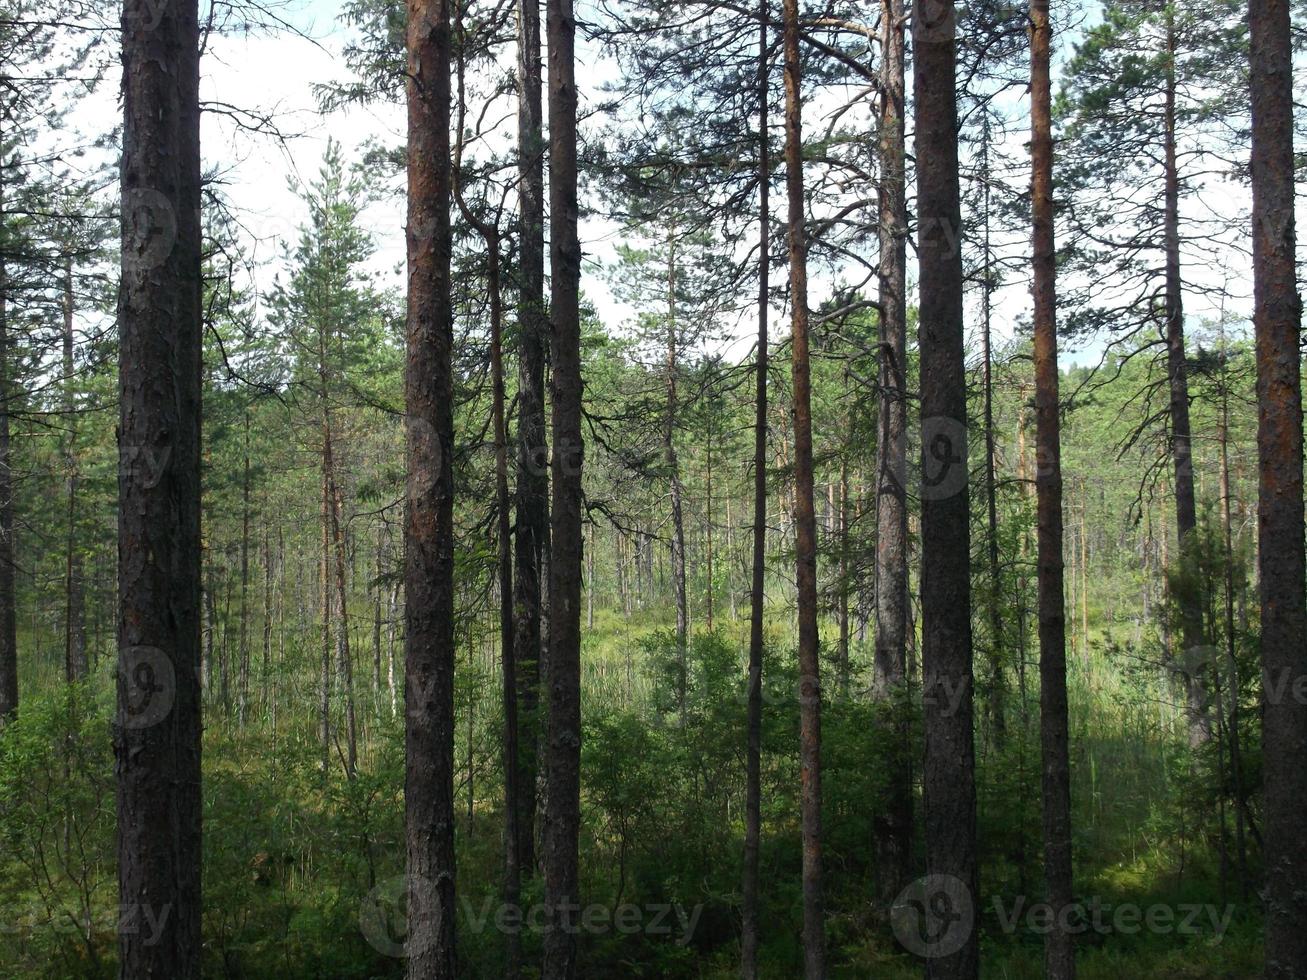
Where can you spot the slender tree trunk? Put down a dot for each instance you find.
(157, 726)
(267, 616)
(674, 477)
(377, 621)
(563, 796)
(842, 592)
(993, 600)
(344, 654)
(1277, 317)
(707, 524)
(532, 442)
(210, 626)
(948, 782)
(489, 231)
(74, 588)
(1230, 667)
(243, 677)
(324, 593)
(1200, 727)
(8, 599)
(1059, 948)
(429, 503)
(805, 518)
(753, 751)
(892, 824)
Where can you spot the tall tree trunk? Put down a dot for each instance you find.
(949, 791)
(74, 588)
(429, 503)
(707, 526)
(210, 627)
(1059, 949)
(345, 656)
(892, 824)
(243, 682)
(8, 599)
(674, 478)
(489, 232)
(532, 442)
(993, 599)
(563, 796)
(805, 518)
(1230, 666)
(1191, 627)
(1277, 318)
(324, 593)
(157, 726)
(842, 592)
(267, 617)
(753, 751)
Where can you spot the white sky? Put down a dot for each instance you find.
(278, 73)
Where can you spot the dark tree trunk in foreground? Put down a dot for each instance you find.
(892, 824)
(805, 518)
(532, 443)
(1277, 317)
(1059, 949)
(429, 505)
(949, 791)
(563, 793)
(753, 752)
(157, 727)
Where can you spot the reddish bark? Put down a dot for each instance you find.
(1277, 318)
(805, 518)
(429, 498)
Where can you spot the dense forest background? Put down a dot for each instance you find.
(303, 483)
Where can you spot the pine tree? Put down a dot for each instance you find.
(157, 727)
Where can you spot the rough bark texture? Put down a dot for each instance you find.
(157, 726)
(429, 506)
(949, 792)
(892, 825)
(753, 751)
(563, 795)
(1059, 949)
(532, 443)
(805, 518)
(1277, 318)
